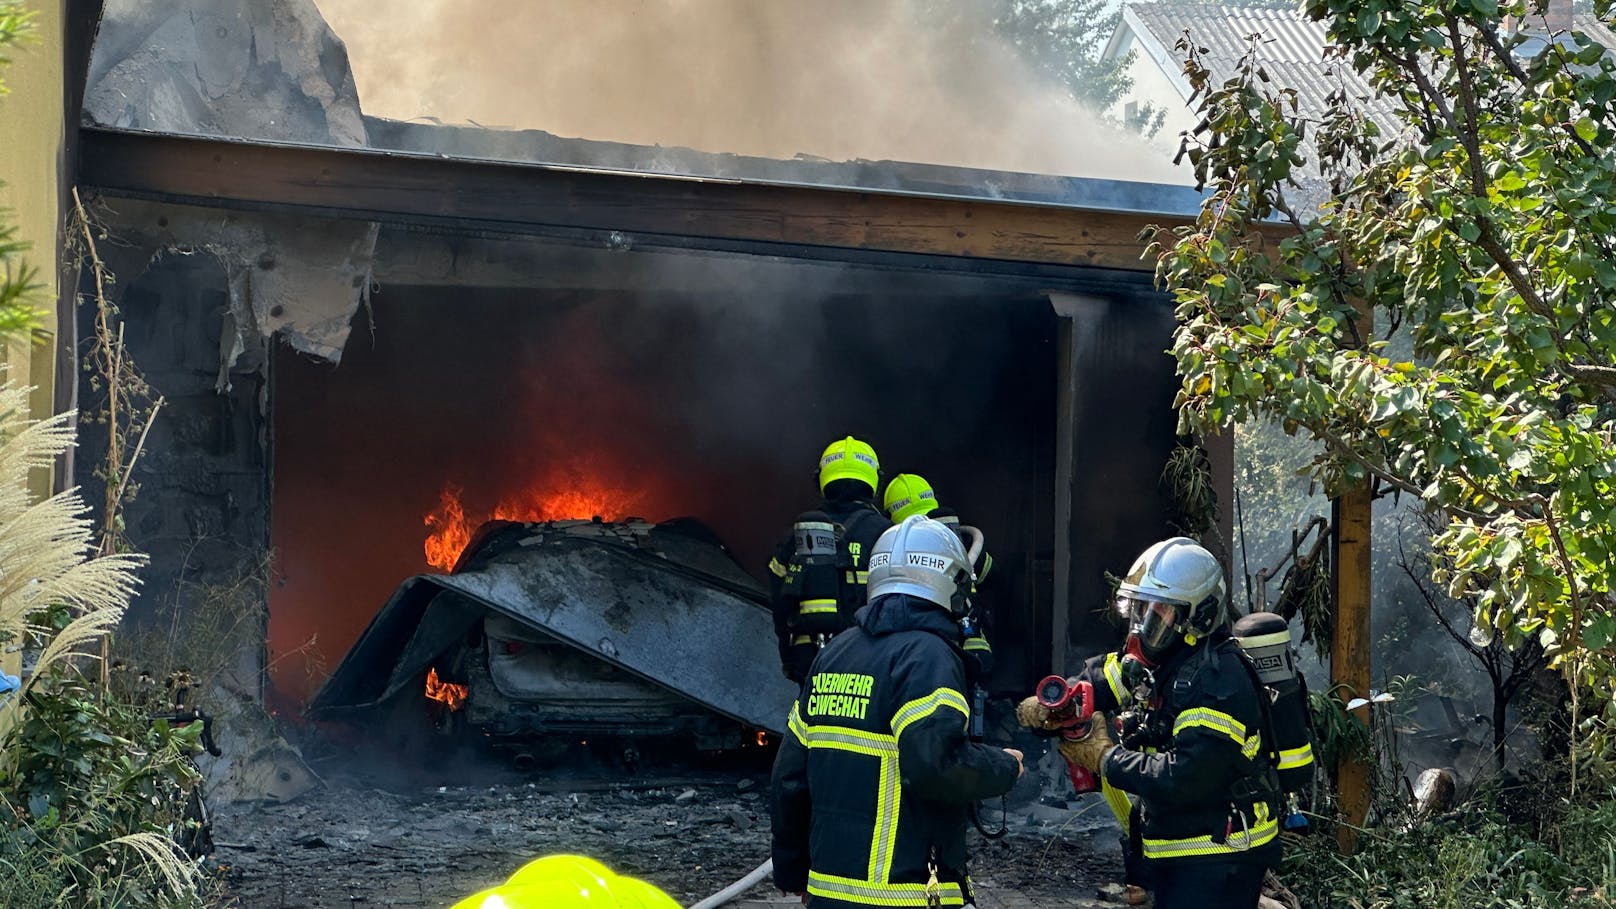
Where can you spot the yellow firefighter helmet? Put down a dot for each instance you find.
(908, 494)
(849, 459)
(568, 882)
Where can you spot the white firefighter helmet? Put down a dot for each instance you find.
(922, 558)
(1174, 590)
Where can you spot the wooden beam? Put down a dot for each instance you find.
(1349, 647)
(428, 190)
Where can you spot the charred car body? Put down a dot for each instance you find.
(548, 634)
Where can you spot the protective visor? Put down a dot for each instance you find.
(1153, 622)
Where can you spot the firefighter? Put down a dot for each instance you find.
(1194, 742)
(818, 573)
(909, 494)
(870, 787)
(568, 882)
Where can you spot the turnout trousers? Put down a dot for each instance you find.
(1224, 883)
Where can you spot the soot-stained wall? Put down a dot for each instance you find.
(660, 406)
(201, 511)
(1122, 426)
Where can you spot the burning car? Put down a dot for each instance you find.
(546, 634)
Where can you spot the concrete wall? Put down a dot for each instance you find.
(202, 507)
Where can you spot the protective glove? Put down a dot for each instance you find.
(1090, 751)
(1033, 715)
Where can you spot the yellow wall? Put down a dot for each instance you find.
(30, 155)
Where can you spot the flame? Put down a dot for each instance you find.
(450, 530)
(564, 495)
(450, 695)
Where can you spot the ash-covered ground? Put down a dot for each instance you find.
(388, 834)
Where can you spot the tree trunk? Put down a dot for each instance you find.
(1500, 705)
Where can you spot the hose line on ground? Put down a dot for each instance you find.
(751, 880)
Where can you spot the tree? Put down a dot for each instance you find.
(1484, 232)
(1063, 40)
(1509, 669)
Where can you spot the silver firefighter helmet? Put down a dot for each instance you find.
(1175, 590)
(923, 558)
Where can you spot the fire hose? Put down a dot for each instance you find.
(752, 879)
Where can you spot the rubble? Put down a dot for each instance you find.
(392, 839)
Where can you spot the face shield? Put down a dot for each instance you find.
(1153, 623)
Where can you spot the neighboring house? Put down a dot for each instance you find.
(1291, 53)
(31, 195)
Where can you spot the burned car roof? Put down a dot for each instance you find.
(664, 602)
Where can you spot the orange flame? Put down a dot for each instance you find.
(450, 530)
(446, 693)
(556, 498)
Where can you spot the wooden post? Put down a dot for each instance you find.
(1349, 646)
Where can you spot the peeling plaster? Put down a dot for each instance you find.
(296, 277)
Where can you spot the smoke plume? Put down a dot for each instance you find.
(905, 80)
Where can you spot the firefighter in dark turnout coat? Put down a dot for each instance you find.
(818, 574)
(871, 784)
(1194, 734)
(909, 494)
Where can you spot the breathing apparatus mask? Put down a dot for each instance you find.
(1173, 594)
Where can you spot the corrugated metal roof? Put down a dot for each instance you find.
(1291, 49)
(1599, 31)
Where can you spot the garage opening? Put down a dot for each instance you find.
(615, 391)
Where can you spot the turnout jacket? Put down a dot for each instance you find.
(1193, 752)
(871, 784)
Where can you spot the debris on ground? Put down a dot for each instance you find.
(369, 841)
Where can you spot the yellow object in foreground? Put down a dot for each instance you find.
(568, 882)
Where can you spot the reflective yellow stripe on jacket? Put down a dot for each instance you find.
(1218, 721)
(875, 894)
(1292, 758)
(1263, 829)
(920, 708)
(884, 748)
(777, 569)
(1117, 801)
(797, 726)
(1113, 678)
(876, 890)
(816, 607)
